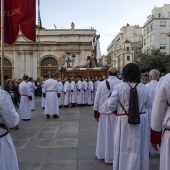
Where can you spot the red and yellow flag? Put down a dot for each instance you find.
(19, 14)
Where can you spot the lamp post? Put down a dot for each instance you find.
(70, 60)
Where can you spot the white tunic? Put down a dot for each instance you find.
(131, 146)
(8, 116)
(105, 135)
(43, 98)
(32, 90)
(79, 92)
(160, 118)
(73, 92)
(66, 90)
(60, 90)
(85, 92)
(151, 86)
(90, 93)
(51, 101)
(25, 103)
(96, 83)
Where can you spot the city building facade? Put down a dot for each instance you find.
(126, 46)
(155, 29)
(53, 48)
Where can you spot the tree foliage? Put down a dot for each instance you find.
(154, 59)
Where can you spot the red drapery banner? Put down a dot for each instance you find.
(19, 14)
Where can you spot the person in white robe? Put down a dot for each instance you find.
(131, 146)
(73, 92)
(51, 94)
(60, 90)
(25, 100)
(151, 86)
(85, 92)
(79, 92)
(66, 93)
(160, 122)
(43, 98)
(8, 119)
(32, 91)
(96, 83)
(90, 92)
(106, 119)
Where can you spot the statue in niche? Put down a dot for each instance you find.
(62, 59)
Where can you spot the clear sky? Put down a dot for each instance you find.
(106, 16)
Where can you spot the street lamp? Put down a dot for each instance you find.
(70, 60)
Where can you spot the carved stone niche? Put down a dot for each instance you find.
(19, 52)
(25, 52)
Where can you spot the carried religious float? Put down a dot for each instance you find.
(85, 70)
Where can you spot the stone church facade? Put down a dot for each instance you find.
(54, 47)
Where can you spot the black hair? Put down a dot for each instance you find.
(131, 73)
(30, 78)
(51, 75)
(25, 77)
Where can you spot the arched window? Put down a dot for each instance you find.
(49, 61)
(6, 62)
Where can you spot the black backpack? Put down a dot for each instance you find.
(133, 112)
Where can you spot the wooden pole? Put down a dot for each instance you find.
(2, 44)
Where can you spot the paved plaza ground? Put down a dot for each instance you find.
(67, 143)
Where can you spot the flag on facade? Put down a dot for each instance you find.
(19, 14)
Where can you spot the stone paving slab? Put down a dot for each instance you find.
(93, 165)
(62, 154)
(67, 143)
(60, 165)
(31, 165)
(33, 154)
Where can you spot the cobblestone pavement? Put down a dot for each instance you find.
(67, 143)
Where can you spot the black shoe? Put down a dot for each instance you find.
(66, 106)
(25, 119)
(55, 116)
(48, 116)
(73, 105)
(32, 110)
(43, 107)
(60, 106)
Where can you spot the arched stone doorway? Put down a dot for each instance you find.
(48, 65)
(7, 69)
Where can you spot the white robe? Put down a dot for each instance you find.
(151, 86)
(60, 90)
(51, 101)
(105, 135)
(32, 91)
(85, 92)
(96, 83)
(160, 118)
(8, 116)
(25, 103)
(43, 98)
(90, 93)
(73, 95)
(80, 94)
(131, 142)
(67, 91)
